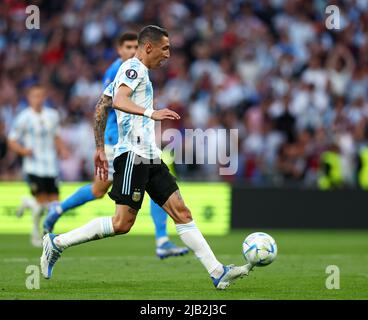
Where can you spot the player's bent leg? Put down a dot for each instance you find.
(222, 276)
(124, 219)
(164, 247)
(83, 195)
(177, 209)
(96, 229)
(159, 217)
(100, 188)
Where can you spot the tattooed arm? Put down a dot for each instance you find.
(100, 120)
(101, 163)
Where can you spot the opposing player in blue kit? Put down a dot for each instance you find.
(126, 47)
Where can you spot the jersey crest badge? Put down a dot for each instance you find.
(131, 74)
(136, 196)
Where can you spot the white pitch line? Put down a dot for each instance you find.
(97, 258)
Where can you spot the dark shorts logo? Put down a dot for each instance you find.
(136, 196)
(34, 187)
(131, 74)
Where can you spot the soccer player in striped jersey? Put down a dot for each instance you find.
(126, 47)
(35, 136)
(138, 167)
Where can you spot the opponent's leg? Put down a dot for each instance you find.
(26, 203)
(83, 195)
(164, 247)
(221, 275)
(38, 207)
(54, 245)
(159, 217)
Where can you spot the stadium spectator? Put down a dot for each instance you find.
(293, 85)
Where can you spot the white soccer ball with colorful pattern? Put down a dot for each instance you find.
(259, 249)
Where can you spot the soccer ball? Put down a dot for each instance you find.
(259, 249)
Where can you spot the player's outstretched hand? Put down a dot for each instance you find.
(101, 165)
(165, 114)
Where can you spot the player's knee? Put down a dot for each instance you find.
(98, 193)
(122, 226)
(123, 229)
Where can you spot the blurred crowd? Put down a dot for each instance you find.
(269, 68)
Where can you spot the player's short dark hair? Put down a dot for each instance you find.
(127, 36)
(35, 86)
(151, 33)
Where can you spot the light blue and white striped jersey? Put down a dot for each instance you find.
(37, 131)
(136, 133)
(111, 130)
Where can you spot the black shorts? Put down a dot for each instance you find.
(48, 185)
(134, 175)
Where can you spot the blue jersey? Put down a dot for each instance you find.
(111, 131)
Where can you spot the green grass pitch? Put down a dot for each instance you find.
(125, 267)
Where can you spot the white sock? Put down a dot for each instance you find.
(160, 241)
(96, 229)
(30, 203)
(194, 239)
(58, 208)
(37, 210)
